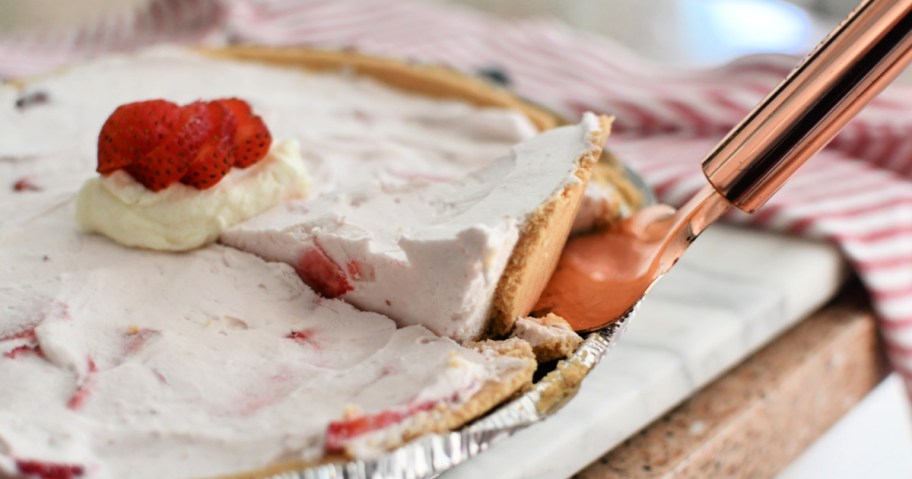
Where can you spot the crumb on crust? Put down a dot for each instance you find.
(551, 337)
(561, 384)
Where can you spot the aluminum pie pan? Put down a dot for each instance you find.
(432, 454)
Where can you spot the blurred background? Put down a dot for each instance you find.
(691, 32)
(674, 32)
(678, 34)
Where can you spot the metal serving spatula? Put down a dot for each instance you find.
(601, 276)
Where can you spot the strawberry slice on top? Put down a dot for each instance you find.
(170, 159)
(160, 143)
(251, 139)
(133, 130)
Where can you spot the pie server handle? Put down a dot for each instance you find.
(852, 65)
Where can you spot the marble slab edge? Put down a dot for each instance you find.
(761, 415)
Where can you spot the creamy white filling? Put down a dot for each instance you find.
(430, 253)
(191, 361)
(180, 217)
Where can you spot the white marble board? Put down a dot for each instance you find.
(731, 293)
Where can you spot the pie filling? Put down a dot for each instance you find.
(325, 324)
(428, 253)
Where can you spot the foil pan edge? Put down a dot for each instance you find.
(432, 454)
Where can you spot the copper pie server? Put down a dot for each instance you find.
(602, 276)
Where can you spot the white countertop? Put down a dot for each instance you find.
(885, 415)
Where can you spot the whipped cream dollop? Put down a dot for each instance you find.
(180, 217)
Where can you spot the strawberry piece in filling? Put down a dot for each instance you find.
(340, 432)
(84, 388)
(24, 349)
(305, 337)
(27, 333)
(136, 339)
(48, 470)
(322, 274)
(26, 184)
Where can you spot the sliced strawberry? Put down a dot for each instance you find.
(160, 143)
(170, 159)
(251, 142)
(133, 130)
(225, 120)
(251, 139)
(216, 155)
(239, 108)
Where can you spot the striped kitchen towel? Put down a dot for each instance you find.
(857, 193)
